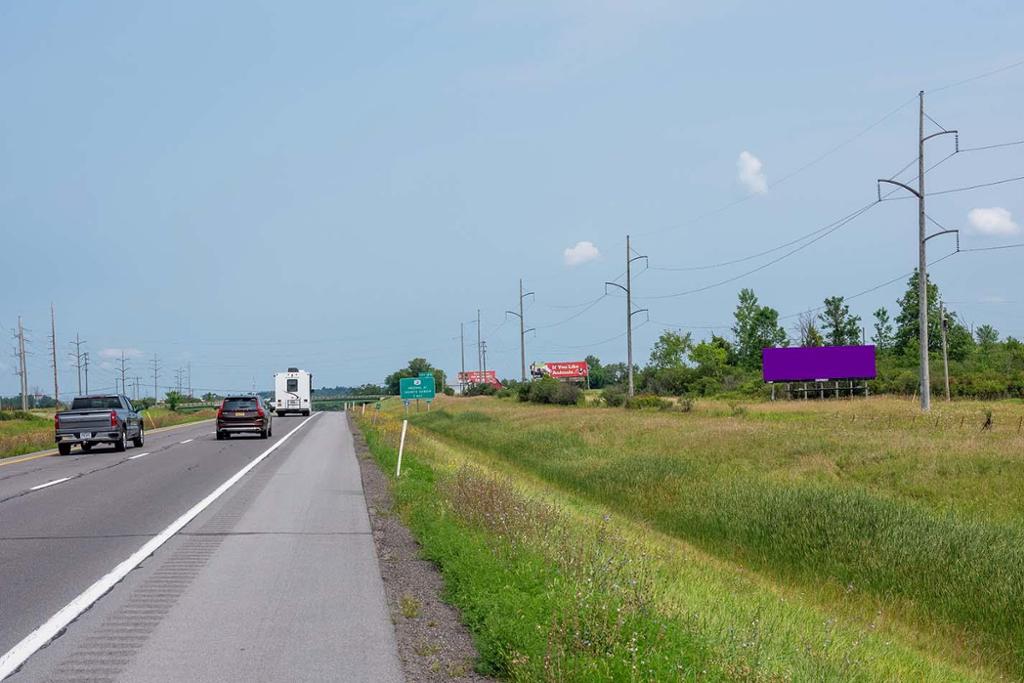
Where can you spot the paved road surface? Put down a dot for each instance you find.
(277, 579)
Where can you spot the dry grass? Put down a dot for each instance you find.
(865, 509)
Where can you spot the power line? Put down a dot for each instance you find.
(788, 176)
(574, 315)
(722, 264)
(977, 187)
(835, 226)
(1002, 246)
(986, 74)
(996, 146)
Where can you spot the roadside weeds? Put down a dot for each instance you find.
(433, 642)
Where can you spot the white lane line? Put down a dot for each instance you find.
(140, 455)
(49, 483)
(187, 441)
(17, 655)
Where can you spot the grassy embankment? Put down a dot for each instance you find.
(807, 541)
(22, 433)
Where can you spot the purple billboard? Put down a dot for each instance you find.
(818, 363)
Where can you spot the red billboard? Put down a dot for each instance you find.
(474, 377)
(568, 370)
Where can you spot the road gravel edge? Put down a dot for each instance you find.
(433, 642)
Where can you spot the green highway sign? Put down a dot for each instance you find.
(411, 388)
(426, 374)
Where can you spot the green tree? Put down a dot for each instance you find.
(905, 340)
(415, 367)
(807, 331)
(883, 338)
(841, 328)
(670, 350)
(598, 373)
(710, 358)
(756, 327)
(173, 399)
(615, 373)
(987, 337)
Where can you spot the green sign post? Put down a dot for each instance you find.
(414, 388)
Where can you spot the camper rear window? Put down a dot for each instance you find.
(293, 385)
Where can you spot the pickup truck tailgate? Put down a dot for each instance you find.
(86, 421)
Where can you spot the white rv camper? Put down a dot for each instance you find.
(293, 392)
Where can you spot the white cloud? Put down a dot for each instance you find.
(996, 222)
(116, 353)
(751, 173)
(580, 253)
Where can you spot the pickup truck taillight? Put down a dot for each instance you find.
(113, 418)
(56, 421)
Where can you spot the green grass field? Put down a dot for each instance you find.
(838, 540)
(31, 432)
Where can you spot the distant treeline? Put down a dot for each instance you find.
(339, 392)
(981, 364)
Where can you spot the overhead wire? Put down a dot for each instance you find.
(786, 177)
(975, 187)
(971, 79)
(837, 225)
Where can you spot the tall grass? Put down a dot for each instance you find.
(923, 512)
(556, 594)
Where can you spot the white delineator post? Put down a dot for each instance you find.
(401, 447)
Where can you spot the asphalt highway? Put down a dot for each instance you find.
(194, 559)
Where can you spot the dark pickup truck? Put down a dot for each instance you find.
(96, 420)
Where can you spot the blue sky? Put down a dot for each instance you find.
(245, 186)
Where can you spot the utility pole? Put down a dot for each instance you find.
(479, 349)
(156, 374)
(483, 352)
(85, 365)
(78, 360)
(628, 289)
(22, 368)
(522, 330)
(462, 350)
(124, 370)
(945, 351)
(922, 258)
(53, 355)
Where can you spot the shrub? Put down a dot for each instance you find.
(613, 396)
(567, 394)
(19, 415)
(480, 390)
(550, 391)
(648, 401)
(685, 405)
(449, 391)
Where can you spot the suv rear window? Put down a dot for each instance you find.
(242, 403)
(96, 403)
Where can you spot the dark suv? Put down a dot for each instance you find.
(244, 414)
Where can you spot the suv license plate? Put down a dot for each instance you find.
(86, 435)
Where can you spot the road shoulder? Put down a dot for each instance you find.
(433, 642)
